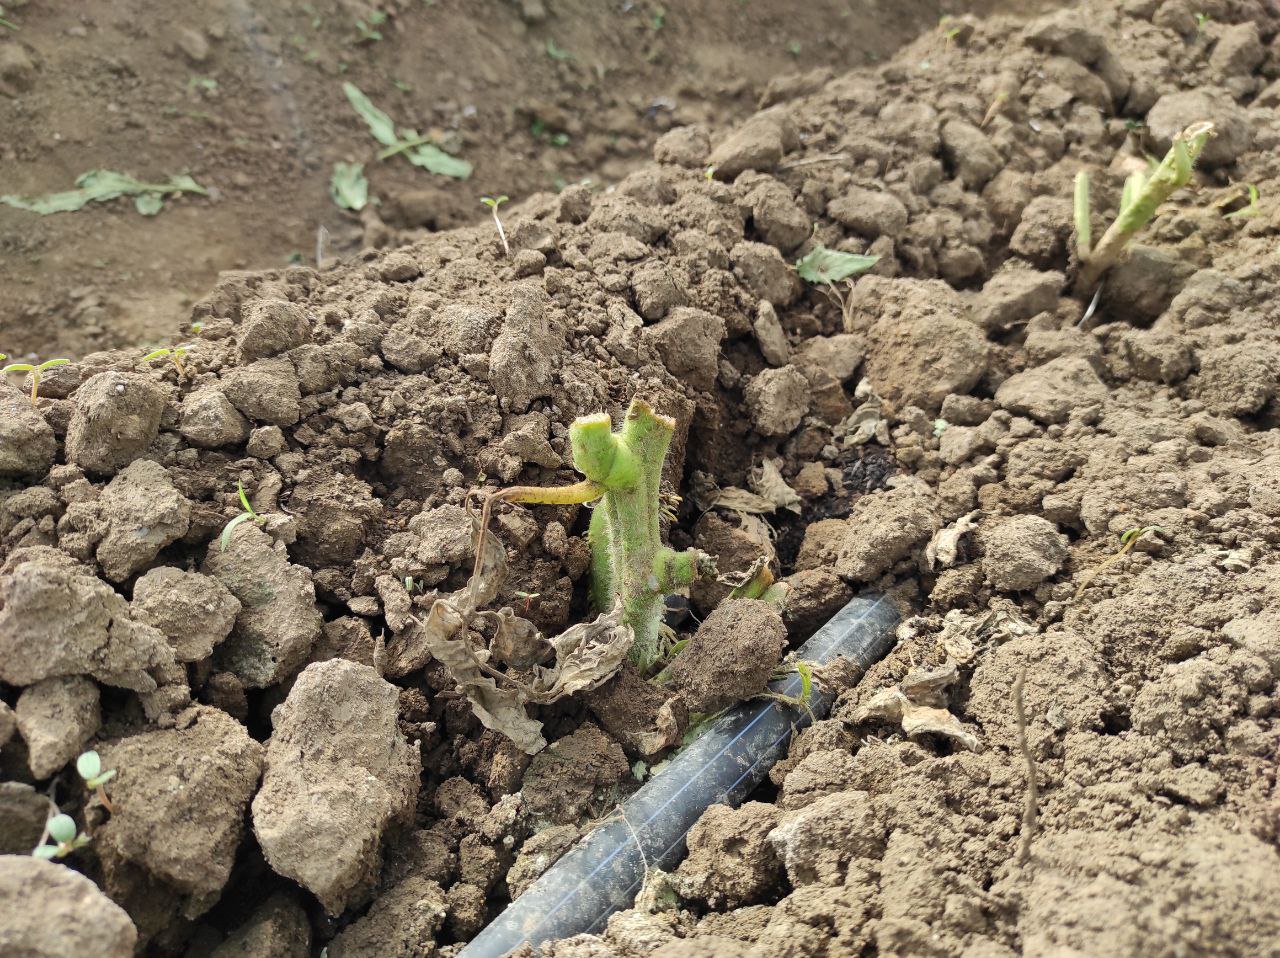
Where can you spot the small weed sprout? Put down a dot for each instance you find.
(1250, 211)
(1202, 21)
(176, 354)
(35, 371)
(248, 515)
(367, 29)
(557, 52)
(1142, 196)
(66, 838)
(493, 202)
(993, 110)
(89, 765)
(1127, 542)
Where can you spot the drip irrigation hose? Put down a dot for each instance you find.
(604, 872)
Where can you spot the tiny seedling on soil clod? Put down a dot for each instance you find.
(1142, 196)
(493, 202)
(35, 371)
(1127, 542)
(248, 515)
(174, 354)
(89, 766)
(65, 838)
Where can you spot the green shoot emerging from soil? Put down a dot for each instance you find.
(1142, 196)
(493, 202)
(1127, 542)
(89, 765)
(629, 563)
(248, 515)
(1250, 211)
(35, 371)
(174, 354)
(65, 838)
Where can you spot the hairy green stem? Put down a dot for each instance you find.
(1142, 197)
(629, 561)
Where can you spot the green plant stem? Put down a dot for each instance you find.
(1173, 173)
(629, 562)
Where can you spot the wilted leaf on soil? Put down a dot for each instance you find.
(943, 550)
(348, 187)
(767, 481)
(918, 704)
(824, 265)
(98, 186)
(417, 150)
(586, 654)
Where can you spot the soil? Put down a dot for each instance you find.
(1079, 512)
(247, 98)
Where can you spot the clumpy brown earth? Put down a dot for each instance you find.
(247, 98)
(296, 772)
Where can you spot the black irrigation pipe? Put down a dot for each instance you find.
(604, 872)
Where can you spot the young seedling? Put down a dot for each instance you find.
(993, 110)
(89, 765)
(66, 838)
(367, 31)
(175, 354)
(35, 371)
(1250, 211)
(248, 515)
(493, 202)
(629, 563)
(1127, 542)
(1141, 198)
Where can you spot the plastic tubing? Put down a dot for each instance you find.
(604, 872)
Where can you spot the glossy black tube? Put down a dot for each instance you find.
(603, 872)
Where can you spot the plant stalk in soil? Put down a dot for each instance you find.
(1141, 198)
(35, 371)
(629, 563)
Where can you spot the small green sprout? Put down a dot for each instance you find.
(367, 30)
(794, 48)
(89, 765)
(993, 110)
(557, 52)
(66, 838)
(493, 202)
(659, 19)
(248, 515)
(1142, 196)
(348, 186)
(1128, 539)
(709, 172)
(175, 354)
(1250, 211)
(35, 371)
(1202, 21)
(208, 84)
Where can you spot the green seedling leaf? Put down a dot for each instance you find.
(380, 125)
(420, 151)
(46, 852)
(98, 186)
(148, 204)
(89, 765)
(348, 187)
(244, 499)
(824, 265)
(435, 160)
(556, 52)
(62, 829)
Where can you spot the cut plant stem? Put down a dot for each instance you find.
(629, 563)
(1142, 197)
